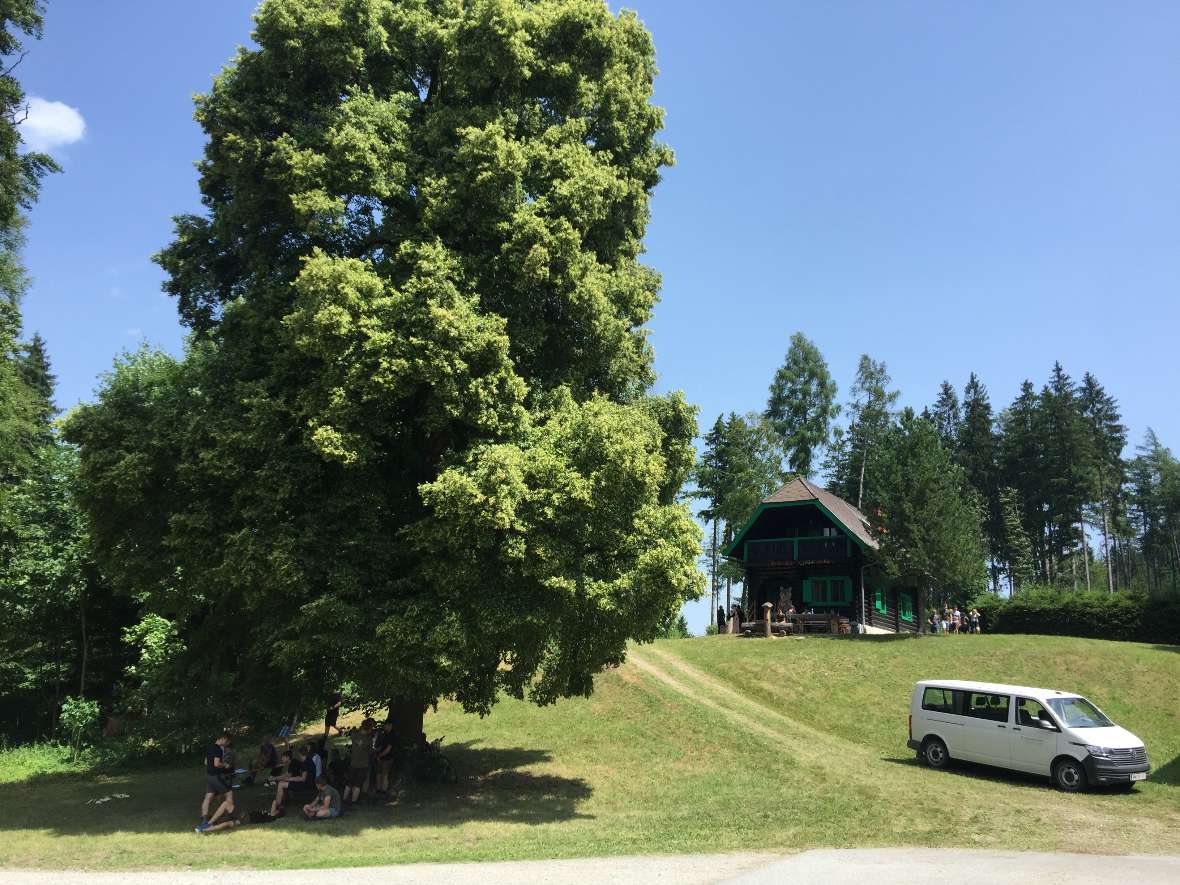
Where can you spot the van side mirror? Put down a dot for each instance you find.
(1047, 725)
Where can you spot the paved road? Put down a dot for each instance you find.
(885, 866)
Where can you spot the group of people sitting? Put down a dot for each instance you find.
(329, 785)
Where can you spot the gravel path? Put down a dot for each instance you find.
(886, 866)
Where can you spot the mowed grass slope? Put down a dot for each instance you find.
(710, 744)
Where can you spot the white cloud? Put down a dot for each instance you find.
(51, 124)
(133, 332)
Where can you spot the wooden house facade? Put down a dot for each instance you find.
(811, 550)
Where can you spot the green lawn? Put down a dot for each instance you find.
(696, 745)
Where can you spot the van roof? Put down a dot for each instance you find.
(998, 688)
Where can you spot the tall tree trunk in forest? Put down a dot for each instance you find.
(1073, 568)
(56, 686)
(1106, 552)
(728, 596)
(713, 577)
(1085, 553)
(85, 644)
(860, 493)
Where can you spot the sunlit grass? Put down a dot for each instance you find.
(710, 744)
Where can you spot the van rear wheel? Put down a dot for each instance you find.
(1069, 775)
(935, 753)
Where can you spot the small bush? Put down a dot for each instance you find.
(1094, 615)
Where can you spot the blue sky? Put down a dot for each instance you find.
(949, 187)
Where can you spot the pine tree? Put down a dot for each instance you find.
(710, 476)
(933, 520)
(802, 404)
(946, 416)
(1108, 438)
(851, 460)
(1015, 550)
(1068, 464)
(978, 453)
(1022, 453)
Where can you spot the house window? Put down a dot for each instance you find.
(905, 606)
(879, 601)
(827, 591)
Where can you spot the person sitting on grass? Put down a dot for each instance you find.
(326, 803)
(300, 777)
(218, 781)
(266, 761)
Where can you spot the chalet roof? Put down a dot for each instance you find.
(799, 490)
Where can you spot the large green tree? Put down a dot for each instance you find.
(932, 517)
(852, 463)
(802, 403)
(410, 445)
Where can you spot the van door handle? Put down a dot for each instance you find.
(1001, 726)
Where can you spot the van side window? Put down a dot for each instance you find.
(939, 700)
(982, 705)
(1031, 714)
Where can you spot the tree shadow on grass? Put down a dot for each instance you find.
(1167, 774)
(493, 784)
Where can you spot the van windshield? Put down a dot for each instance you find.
(1078, 713)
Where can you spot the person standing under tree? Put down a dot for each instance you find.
(333, 713)
(218, 779)
(358, 764)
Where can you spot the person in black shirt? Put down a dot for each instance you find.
(218, 779)
(333, 713)
(383, 744)
(300, 776)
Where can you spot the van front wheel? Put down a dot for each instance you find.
(935, 754)
(1069, 775)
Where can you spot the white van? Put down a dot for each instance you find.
(1037, 730)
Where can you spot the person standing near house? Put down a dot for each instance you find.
(956, 620)
(932, 624)
(974, 620)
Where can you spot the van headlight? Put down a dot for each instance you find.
(1098, 751)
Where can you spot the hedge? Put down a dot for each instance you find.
(1093, 615)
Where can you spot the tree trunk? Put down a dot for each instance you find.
(1106, 551)
(713, 576)
(85, 644)
(1085, 554)
(406, 715)
(861, 491)
(728, 595)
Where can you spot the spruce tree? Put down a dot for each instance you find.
(1022, 454)
(1108, 438)
(1068, 464)
(802, 404)
(978, 453)
(851, 461)
(1015, 550)
(946, 416)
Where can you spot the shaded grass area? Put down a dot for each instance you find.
(695, 745)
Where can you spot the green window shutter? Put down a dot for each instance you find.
(879, 601)
(807, 589)
(905, 606)
(846, 598)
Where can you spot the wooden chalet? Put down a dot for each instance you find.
(809, 549)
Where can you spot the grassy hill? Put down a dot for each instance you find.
(695, 745)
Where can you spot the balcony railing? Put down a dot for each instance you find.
(797, 549)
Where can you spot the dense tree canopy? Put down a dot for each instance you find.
(409, 446)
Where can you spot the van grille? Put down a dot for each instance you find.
(1128, 757)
